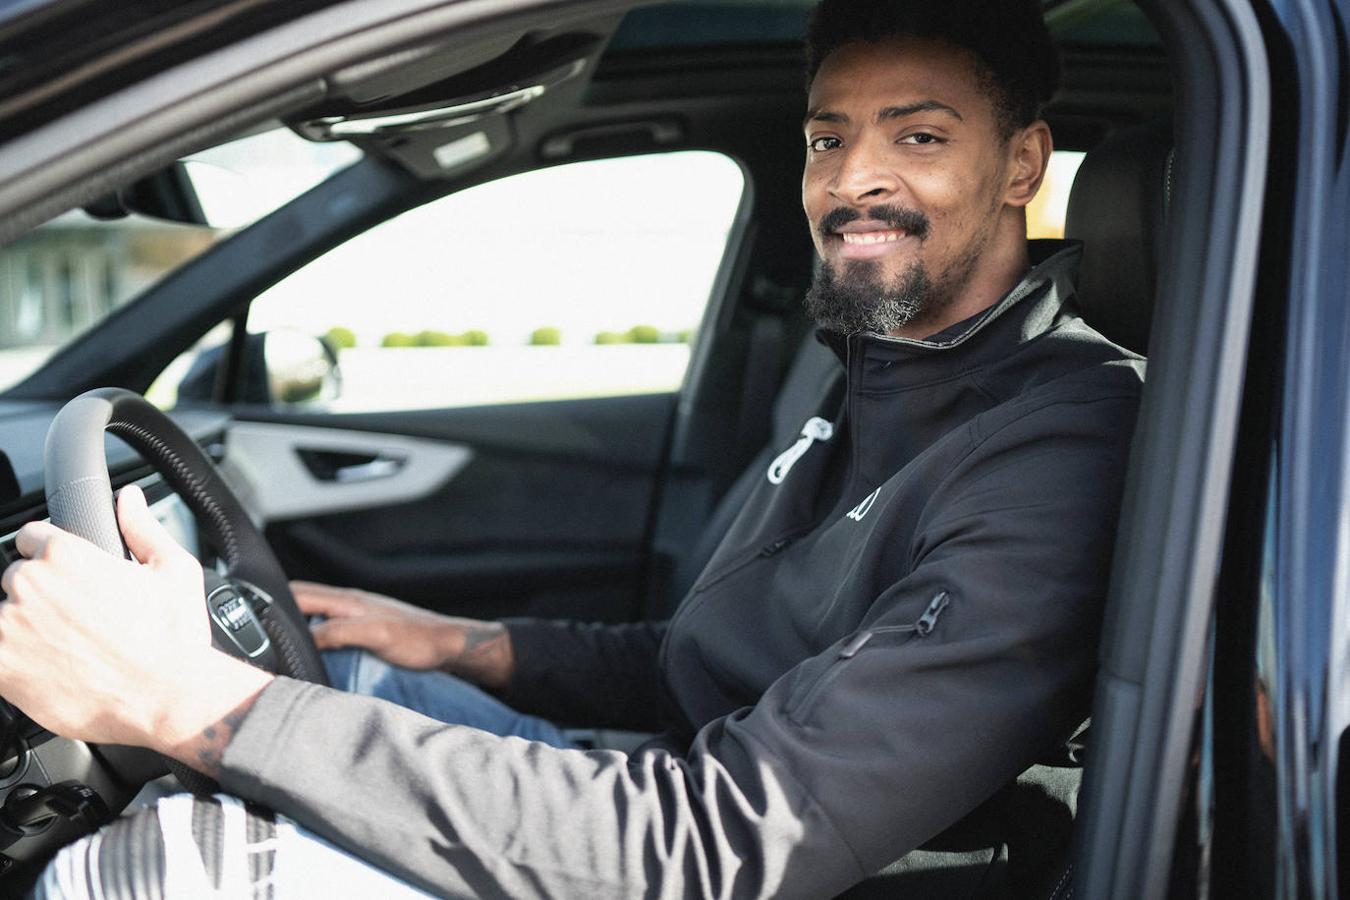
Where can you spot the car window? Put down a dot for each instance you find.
(66, 276)
(1045, 214)
(583, 280)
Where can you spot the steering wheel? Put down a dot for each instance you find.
(252, 611)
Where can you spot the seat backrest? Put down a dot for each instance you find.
(1118, 209)
(814, 372)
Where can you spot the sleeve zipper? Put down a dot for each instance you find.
(801, 704)
(921, 628)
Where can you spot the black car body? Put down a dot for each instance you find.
(1214, 764)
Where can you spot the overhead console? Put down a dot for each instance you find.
(441, 113)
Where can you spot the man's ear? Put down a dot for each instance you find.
(1028, 156)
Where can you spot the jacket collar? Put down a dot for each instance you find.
(1023, 314)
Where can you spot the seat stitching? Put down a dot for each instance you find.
(1059, 884)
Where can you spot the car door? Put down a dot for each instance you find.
(508, 386)
(1220, 718)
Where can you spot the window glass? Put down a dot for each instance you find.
(582, 280)
(1045, 214)
(67, 275)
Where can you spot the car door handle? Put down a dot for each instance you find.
(381, 467)
(348, 467)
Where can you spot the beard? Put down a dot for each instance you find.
(856, 298)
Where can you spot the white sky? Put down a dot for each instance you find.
(586, 247)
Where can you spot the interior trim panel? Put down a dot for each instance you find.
(291, 471)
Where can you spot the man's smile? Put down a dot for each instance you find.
(874, 237)
(870, 240)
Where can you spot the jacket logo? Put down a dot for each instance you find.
(815, 429)
(863, 508)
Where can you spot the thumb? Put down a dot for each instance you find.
(146, 538)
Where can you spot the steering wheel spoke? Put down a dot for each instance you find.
(233, 606)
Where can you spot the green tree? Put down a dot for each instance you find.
(340, 338)
(398, 339)
(684, 337)
(474, 338)
(545, 337)
(644, 334)
(611, 337)
(437, 339)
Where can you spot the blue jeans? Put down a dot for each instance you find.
(437, 695)
(267, 855)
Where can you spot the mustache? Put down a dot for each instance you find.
(901, 218)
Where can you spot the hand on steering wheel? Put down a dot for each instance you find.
(251, 612)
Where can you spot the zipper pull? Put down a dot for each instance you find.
(771, 549)
(815, 429)
(928, 620)
(850, 650)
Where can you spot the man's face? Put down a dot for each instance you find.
(905, 172)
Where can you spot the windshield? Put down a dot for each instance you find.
(66, 276)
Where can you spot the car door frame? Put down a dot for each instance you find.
(1271, 799)
(1155, 639)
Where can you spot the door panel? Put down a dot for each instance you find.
(542, 508)
(284, 472)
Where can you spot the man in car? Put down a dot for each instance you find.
(902, 618)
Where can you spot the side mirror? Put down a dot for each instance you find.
(278, 368)
(300, 368)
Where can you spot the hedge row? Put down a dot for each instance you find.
(344, 338)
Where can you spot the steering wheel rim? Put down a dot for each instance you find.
(80, 500)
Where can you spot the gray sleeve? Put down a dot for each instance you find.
(591, 675)
(849, 760)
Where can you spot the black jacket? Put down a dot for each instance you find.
(903, 617)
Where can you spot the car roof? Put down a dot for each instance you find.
(721, 23)
(57, 55)
(705, 95)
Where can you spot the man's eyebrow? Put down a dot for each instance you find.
(890, 112)
(899, 112)
(820, 115)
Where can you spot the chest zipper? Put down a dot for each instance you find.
(767, 550)
(770, 549)
(921, 627)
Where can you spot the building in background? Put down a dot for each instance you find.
(73, 271)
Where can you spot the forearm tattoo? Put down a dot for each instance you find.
(213, 740)
(485, 657)
(478, 639)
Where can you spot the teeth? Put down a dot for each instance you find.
(873, 237)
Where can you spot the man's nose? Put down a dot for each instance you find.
(863, 174)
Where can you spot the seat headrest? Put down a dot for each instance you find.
(1118, 209)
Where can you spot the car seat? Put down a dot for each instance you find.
(1118, 209)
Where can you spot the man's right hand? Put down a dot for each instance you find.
(407, 635)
